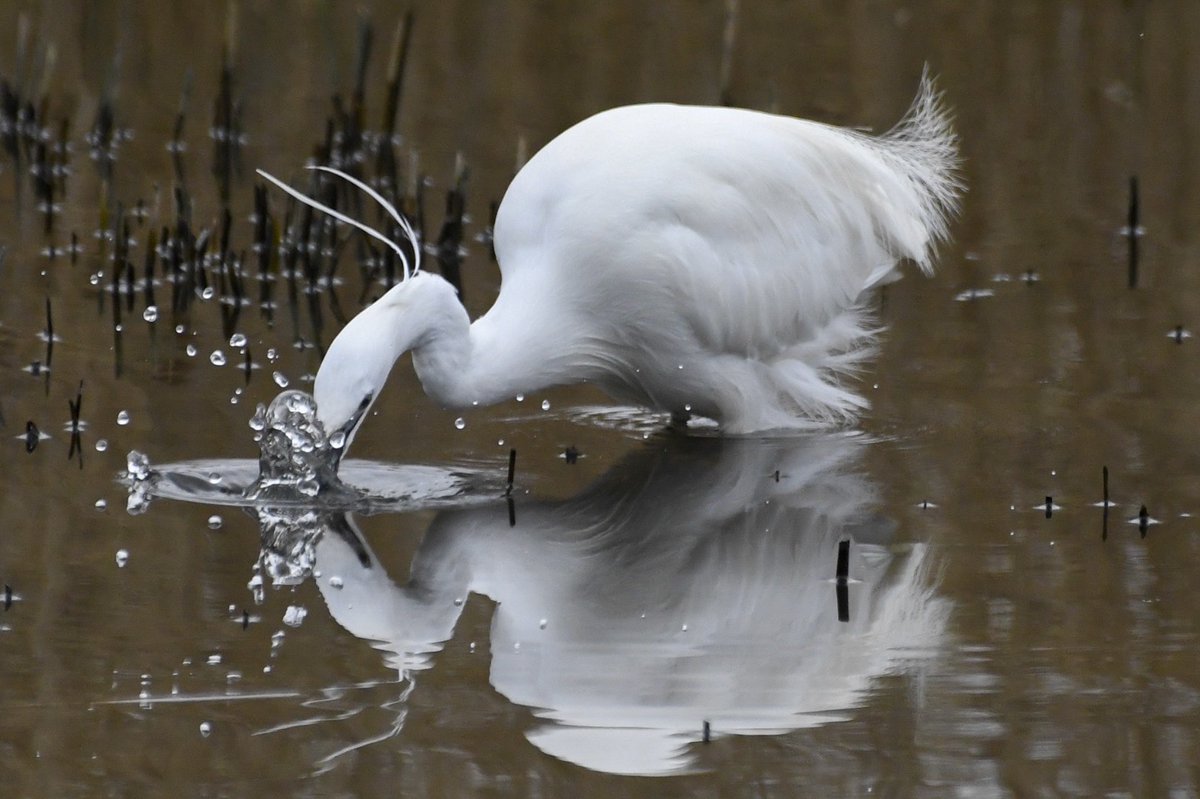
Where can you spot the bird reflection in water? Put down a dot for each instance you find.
(690, 590)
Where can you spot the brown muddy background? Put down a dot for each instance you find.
(1048, 656)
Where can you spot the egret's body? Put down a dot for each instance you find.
(693, 260)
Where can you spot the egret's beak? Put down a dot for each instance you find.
(348, 429)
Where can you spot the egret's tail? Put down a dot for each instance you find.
(924, 149)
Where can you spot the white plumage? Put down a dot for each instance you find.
(699, 260)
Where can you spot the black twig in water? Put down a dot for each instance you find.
(32, 436)
(1143, 521)
(1049, 506)
(512, 471)
(843, 561)
(571, 454)
(75, 406)
(707, 732)
(843, 579)
(8, 596)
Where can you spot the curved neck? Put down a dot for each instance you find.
(463, 365)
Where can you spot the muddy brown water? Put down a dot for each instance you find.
(658, 583)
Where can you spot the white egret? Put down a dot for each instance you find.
(700, 260)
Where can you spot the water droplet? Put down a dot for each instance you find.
(294, 615)
(309, 488)
(101, 504)
(545, 405)
(255, 586)
(215, 522)
(458, 601)
(272, 355)
(542, 624)
(101, 445)
(460, 423)
(500, 442)
(214, 660)
(337, 440)
(191, 350)
(151, 313)
(684, 628)
(688, 407)
(208, 293)
(520, 398)
(217, 358)
(205, 729)
(94, 278)
(237, 341)
(280, 379)
(180, 329)
(123, 418)
(122, 558)
(335, 582)
(214, 478)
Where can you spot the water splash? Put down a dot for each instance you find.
(295, 454)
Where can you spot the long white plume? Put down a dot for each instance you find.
(409, 268)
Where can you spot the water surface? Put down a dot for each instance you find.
(470, 647)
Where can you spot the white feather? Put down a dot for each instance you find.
(338, 215)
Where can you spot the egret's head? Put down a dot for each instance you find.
(357, 364)
(355, 368)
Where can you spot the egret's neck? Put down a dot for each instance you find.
(504, 353)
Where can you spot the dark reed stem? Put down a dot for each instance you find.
(397, 61)
(148, 264)
(512, 471)
(76, 405)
